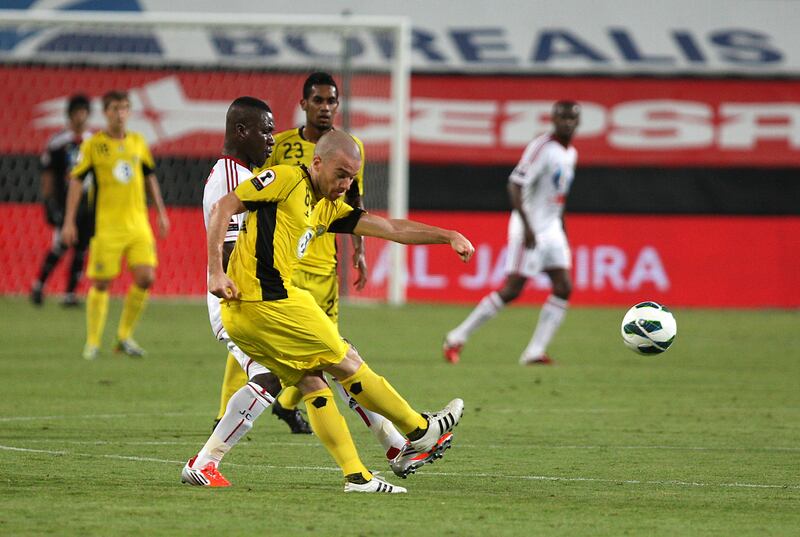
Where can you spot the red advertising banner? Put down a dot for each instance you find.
(454, 119)
(678, 260)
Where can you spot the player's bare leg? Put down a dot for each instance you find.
(486, 309)
(550, 319)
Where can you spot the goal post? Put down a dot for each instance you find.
(183, 69)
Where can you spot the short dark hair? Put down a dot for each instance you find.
(250, 102)
(114, 96)
(565, 105)
(79, 101)
(320, 78)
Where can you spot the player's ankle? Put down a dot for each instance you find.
(417, 433)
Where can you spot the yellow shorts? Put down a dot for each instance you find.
(290, 337)
(324, 289)
(106, 251)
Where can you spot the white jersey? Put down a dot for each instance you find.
(545, 173)
(226, 174)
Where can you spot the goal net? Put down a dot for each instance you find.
(181, 72)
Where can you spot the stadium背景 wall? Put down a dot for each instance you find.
(686, 189)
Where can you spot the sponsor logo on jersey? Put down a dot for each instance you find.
(262, 180)
(123, 171)
(303, 242)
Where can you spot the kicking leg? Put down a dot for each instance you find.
(390, 438)
(429, 435)
(330, 427)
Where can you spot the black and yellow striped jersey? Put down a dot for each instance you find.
(283, 220)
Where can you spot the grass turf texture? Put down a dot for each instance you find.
(704, 440)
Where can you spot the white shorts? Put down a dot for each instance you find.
(551, 252)
(250, 366)
(215, 316)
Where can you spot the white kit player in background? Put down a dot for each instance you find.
(537, 241)
(248, 144)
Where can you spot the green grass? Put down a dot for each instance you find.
(704, 440)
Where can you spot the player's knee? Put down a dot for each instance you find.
(312, 382)
(101, 285)
(144, 281)
(562, 289)
(269, 382)
(511, 291)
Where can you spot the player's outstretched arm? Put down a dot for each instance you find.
(221, 212)
(411, 232)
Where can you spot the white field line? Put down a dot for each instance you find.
(101, 416)
(453, 474)
(778, 449)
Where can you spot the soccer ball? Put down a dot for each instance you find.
(649, 328)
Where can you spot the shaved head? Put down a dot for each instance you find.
(334, 142)
(337, 160)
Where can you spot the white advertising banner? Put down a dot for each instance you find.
(669, 37)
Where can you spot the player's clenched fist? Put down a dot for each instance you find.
(462, 246)
(221, 286)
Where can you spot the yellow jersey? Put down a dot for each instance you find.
(284, 218)
(292, 149)
(119, 166)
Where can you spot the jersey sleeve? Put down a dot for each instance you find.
(339, 217)
(148, 164)
(84, 163)
(531, 165)
(268, 186)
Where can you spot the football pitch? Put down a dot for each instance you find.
(703, 440)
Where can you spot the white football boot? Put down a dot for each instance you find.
(439, 423)
(376, 484)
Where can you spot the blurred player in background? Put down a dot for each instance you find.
(57, 160)
(317, 270)
(282, 326)
(537, 240)
(248, 143)
(123, 169)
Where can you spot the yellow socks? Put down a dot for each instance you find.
(330, 427)
(234, 378)
(132, 309)
(96, 313)
(289, 397)
(376, 394)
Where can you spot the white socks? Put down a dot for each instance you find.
(244, 407)
(383, 429)
(553, 312)
(487, 308)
